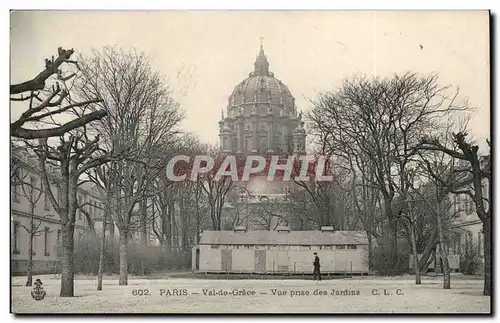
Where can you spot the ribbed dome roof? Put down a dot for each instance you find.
(262, 87)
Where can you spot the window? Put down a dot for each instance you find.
(470, 205)
(465, 203)
(215, 246)
(352, 246)
(328, 247)
(459, 243)
(479, 243)
(45, 197)
(456, 241)
(59, 195)
(33, 188)
(16, 237)
(17, 183)
(340, 246)
(468, 241)
(485, 192)
(58, 243)
(46, 241)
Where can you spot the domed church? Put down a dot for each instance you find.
(261, 115)
(260, 118)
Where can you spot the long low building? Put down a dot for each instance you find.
(281, 251)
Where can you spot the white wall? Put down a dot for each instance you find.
(300, 261)
(210, 259)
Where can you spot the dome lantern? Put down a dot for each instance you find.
(261, 65)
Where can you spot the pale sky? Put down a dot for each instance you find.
(309, 51)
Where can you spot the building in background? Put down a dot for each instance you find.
(468, 237)
(261, 115)
(281, 251)
(261, 119)
(27, 188)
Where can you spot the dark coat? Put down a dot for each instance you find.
(316, 262)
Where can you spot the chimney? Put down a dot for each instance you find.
(283, 229)
(240, 228)
(327, 229)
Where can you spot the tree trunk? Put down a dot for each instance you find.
(29, 281)
(487, 258)
(393, 230)
(198, 227)
(123, 258)
(426, 265)
(167, 231)
(442, 248)
(415, 255)
(67, 273)
(144, 229)
(109, 259)
(370, 251)
(143, 232)
(429, 247)
(101, 253)
(183, 226)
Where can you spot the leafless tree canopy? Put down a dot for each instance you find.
(374, 127)
(49, 101)
(143, 120)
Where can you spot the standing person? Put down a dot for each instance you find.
(316, 264)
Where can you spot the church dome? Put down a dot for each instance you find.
(262, 88)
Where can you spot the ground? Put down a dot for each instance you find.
(399, 295)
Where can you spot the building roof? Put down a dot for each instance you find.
(311, 238)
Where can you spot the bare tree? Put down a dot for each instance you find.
(366, 202)
(216, 189)
(270, 213)
(479, 168)
(73, 156)
(380, 121)
(49, 104)
(142, 118)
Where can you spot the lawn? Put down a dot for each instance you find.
(185, 295)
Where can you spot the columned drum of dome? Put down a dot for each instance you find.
(261, 115)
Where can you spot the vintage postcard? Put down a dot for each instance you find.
(250, 162)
